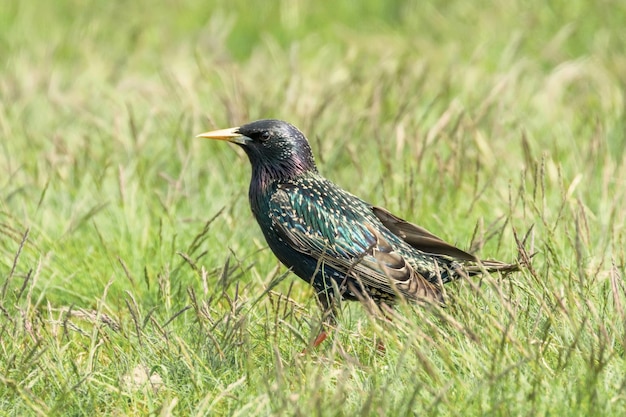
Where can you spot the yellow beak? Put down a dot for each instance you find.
(230, 135)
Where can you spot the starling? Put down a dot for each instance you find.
(341, 245)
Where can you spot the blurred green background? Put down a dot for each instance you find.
(128, 251)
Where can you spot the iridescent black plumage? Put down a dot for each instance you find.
(334, 240)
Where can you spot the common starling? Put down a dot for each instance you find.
(338, 243)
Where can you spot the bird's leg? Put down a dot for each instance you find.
(386, 312)
(320, 338)
(380, 347)
(329, 314)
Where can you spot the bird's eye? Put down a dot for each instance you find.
(265, 136)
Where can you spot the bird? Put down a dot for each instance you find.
(346, 248)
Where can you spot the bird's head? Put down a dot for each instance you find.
(276, 149)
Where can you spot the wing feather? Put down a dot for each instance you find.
(420, 238)
(353, 248)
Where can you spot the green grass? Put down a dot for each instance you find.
(128, 251)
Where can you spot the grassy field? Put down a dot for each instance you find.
(135, 281)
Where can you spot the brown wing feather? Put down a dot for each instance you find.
(401, 277)
(420, 238)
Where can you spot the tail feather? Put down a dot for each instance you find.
(491, 266)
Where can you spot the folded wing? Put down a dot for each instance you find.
(420, 238)
(349, 243)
